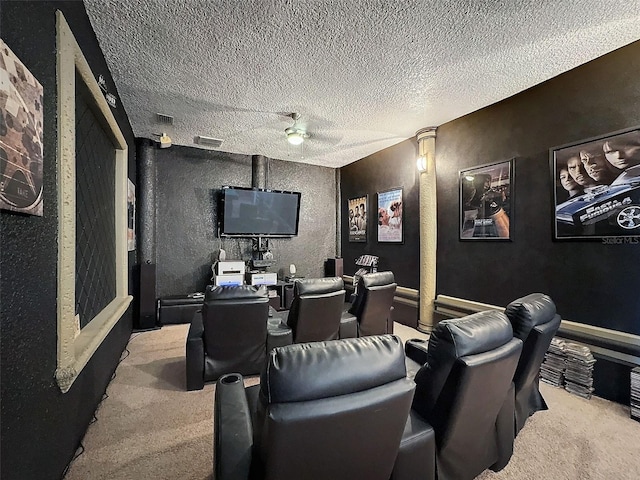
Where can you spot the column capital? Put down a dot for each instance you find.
(427, 132)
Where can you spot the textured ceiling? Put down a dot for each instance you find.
(362, 74)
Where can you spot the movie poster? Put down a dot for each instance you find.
(131, 215)
(597, 187)
(486, 200)
(358, 219)
(21, 130)
(390, 225)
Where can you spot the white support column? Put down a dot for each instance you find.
(428, 226)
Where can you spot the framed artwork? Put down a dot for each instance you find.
(486, 202)
(358, 208)
(390, 220)
(131, 216)
(21, 158)
(597, 186)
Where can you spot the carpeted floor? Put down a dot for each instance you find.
(150, 427)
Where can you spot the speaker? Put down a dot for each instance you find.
(333, 267)
(147, 313)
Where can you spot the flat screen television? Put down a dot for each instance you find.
(253, 212)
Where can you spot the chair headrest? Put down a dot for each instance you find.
(308, 371)
(477, 333)
(377, 279)
(236, 292)
(317, 286)
(527, 312)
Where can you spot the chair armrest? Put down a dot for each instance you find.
(279, 333)
(348, 325)
(416, 349)
(390, 320)
(232, 429)
(417, 452)
(195, 354)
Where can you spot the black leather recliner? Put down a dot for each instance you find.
(535, 322)
(464, 391)
(316, 309)
(373, 304)
(231, 333)
(323, 410)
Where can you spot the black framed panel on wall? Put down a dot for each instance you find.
(390, 219)
(597, 186)
(486, 202)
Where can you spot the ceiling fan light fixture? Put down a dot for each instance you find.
(295, 137)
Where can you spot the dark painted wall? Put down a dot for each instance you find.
(393, 167)
(188, 181)
(590, 282)
(41, 427)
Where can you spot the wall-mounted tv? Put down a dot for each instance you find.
(253, 212)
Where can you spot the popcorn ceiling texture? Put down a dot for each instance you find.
(363, 75)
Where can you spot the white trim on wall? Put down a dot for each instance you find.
(76, 348)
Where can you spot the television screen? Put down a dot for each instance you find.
(250, 212)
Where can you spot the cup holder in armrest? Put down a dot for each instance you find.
(231, 378)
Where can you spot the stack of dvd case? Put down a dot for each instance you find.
(579, 372)
(554, 363)
(635, 393)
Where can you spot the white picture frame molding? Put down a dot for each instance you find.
(75, 346)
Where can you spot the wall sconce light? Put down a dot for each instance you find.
(165, 141)
(421, 163)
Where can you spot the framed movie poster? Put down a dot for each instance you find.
(390, 221)
(597, 187)
(486, 202)
(358, 219)
(131, 216)
(21, 136)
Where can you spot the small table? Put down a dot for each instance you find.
(285, 292)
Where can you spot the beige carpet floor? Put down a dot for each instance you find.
(150, 427)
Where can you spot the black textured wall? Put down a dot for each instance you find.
(590, 282)
(393, 167)
(41, 427)
(188, 181)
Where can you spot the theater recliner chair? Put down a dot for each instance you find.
(373, 304)
(323, 410)
(535, 322)
(465, 392)
(316, 309)
(232, 333)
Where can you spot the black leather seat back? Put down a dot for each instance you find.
(373, 303)
(235, 329)
(535, 322)
(333, 409)
(316, 309)
(462, 388)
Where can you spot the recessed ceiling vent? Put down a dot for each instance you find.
(164, 119)
(207, 141)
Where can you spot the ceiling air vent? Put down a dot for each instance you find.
(164, 119)
(207, 141)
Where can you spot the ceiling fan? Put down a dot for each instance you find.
(296, 134)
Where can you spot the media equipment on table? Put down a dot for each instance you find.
(230, 267)
(262, 278)
(229, 272)
(262, 264)
(253, 212)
